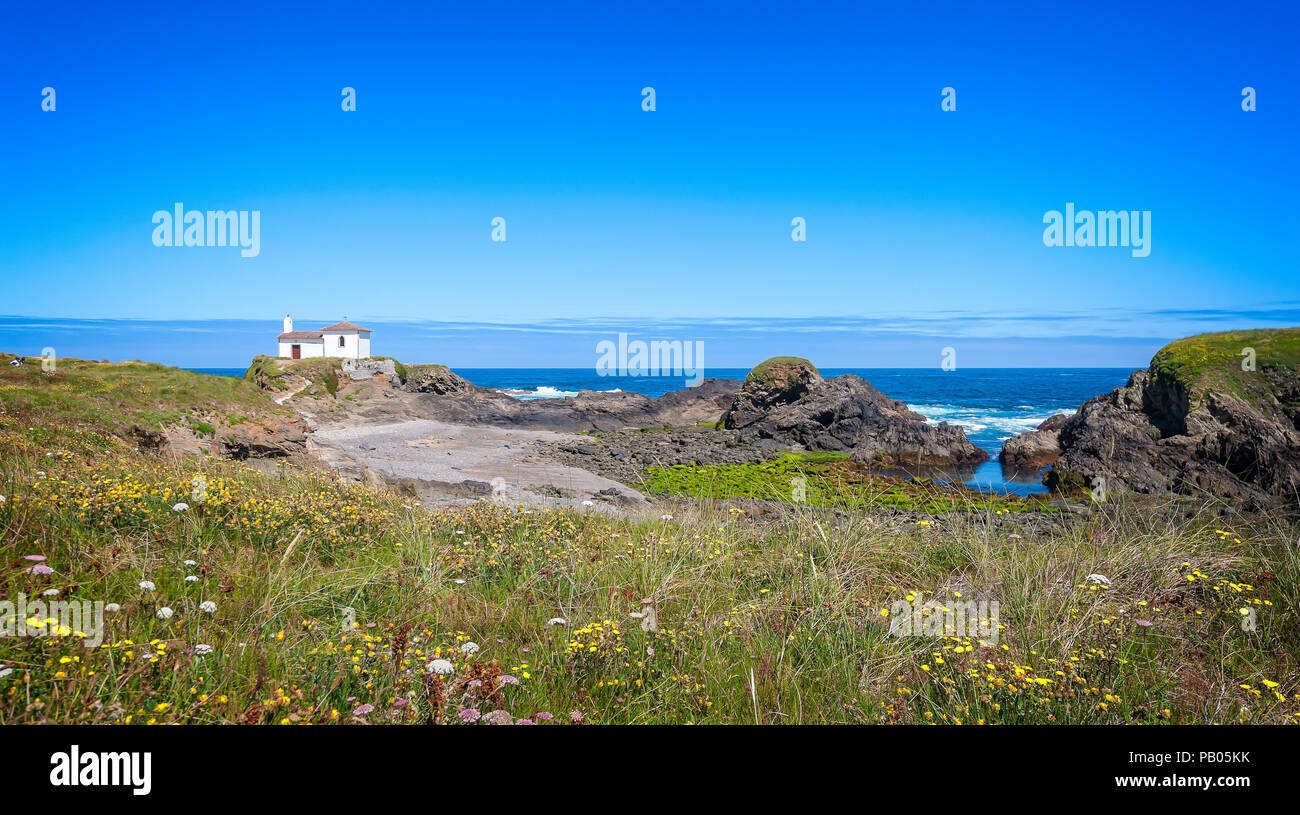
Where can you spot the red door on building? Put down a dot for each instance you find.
(297, 352)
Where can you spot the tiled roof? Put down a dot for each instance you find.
(300, 335)
(344, 326)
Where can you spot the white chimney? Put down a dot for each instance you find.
(288, 323)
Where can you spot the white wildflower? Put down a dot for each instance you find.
(1099, 578)
(148, 585)
(207, 606)
(470, 648)
(441, 666)
(165, 613)
(665, 517)
(181, 507)
(557, 621)
(191, 563)
(201, 650)
(112, 607)
(50, 592)
(191, 578)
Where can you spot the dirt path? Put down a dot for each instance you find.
(450, 464)
(280, 400)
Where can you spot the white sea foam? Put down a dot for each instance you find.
(545, 392)
(977, 420)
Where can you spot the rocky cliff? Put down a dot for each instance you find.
(1214, 414)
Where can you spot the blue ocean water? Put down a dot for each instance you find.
(990, 404)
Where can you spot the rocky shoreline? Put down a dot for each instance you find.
(784, 405)
(1174, 428)
(1216, 415)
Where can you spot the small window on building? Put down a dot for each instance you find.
(340, 342)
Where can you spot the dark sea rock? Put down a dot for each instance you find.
(1053, 423)
(1209, 429)
(771, 384)
(1036, 448)
(587, 412)
(845, 413)
(437, 379)
(625, 454)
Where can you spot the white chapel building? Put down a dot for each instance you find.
(343, 339)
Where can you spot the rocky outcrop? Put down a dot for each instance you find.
(1197, 422)
(436, 379)
(145, 438)
(771, 384)
(624, 455)
(1035, 449)
(267, 437)
(271, 437)
(360, 370)
(609, 411)
(798, 409)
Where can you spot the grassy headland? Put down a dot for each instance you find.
(314, 600)
(1214, 362)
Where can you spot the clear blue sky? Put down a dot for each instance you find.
(924, 227)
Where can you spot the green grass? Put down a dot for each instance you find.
(1213, 362)
(102, 399)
